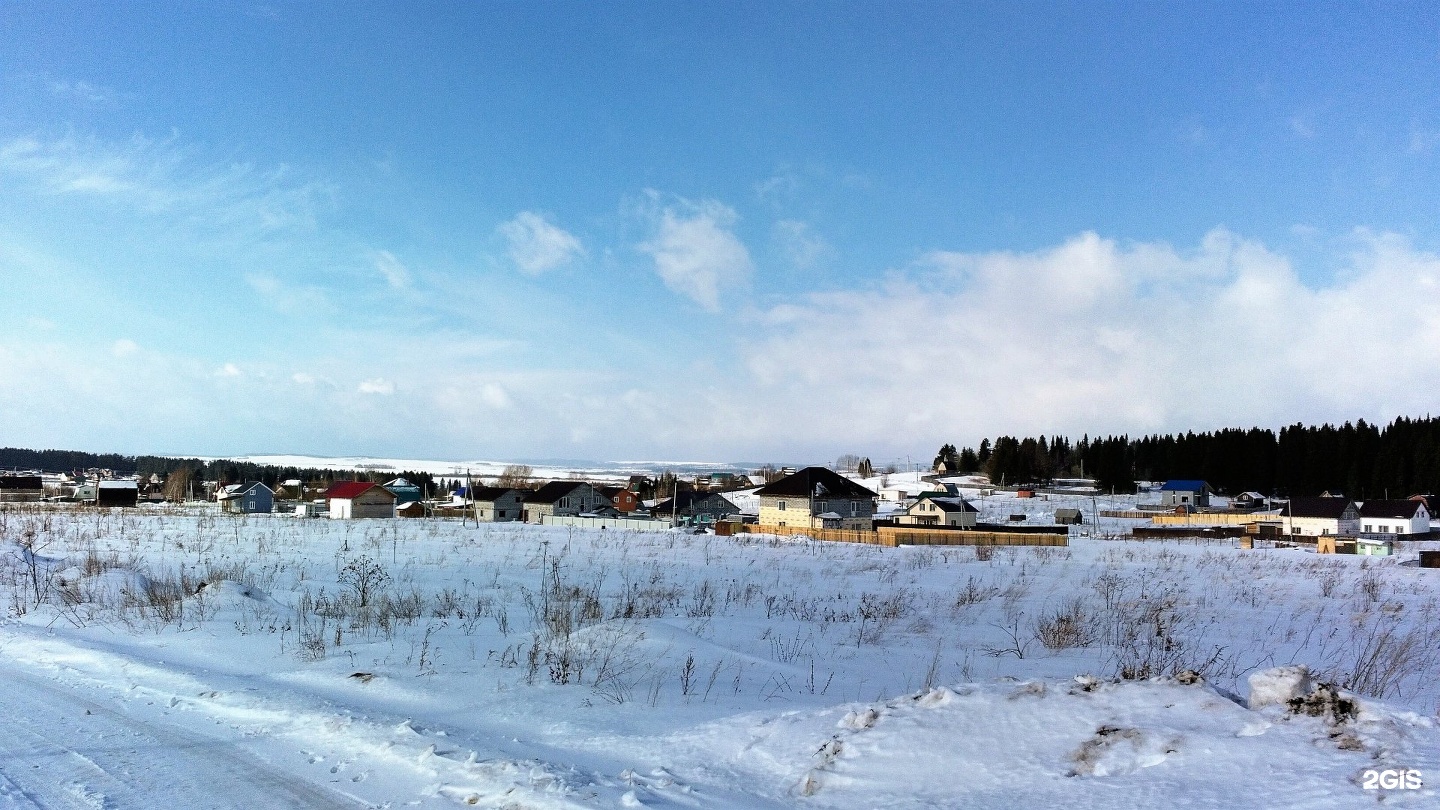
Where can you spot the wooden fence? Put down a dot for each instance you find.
(892, 536)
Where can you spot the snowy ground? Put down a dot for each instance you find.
(543, 667)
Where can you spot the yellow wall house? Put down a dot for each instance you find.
(817, 498)
(934, 510)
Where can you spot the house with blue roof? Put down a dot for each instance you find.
(1180, 492)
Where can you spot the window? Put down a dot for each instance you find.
(1367, 527)
(781, 506)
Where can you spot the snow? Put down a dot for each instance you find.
(1279, 686)
(678, 670)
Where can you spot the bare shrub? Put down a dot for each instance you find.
(364, 575)
(1066, 628)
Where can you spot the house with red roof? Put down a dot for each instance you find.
(359, 499)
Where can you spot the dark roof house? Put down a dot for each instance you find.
(815, 482)
(1331, 508)
(1401, 509)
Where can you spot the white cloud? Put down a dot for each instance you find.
(495, 396)
(83, 90)
(395, 273)
(301, 378)
(800, 245)
(228, 370)
(124, 347)
(379, 385)
(536, 246)
(695, 252)
(1091, 336)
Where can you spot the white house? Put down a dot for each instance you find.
(1394, 517)
(1314, 517)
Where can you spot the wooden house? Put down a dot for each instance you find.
(359, 499)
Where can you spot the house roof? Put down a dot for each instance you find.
(1184, 485)
(239, 490)
(490, 494)
(816, 482)
(400, 482)
(553, 491)
(1377, 508)
(1333, 508)
(948, 503)
(119, 485)
(687, 500)
(345, 490)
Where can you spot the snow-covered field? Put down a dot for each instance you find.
(417, 662)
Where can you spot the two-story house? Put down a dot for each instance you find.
(817, 498)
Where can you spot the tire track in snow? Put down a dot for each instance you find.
(59, 749)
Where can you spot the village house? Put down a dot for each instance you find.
(359, 499)
(817, 498)
(1248, 500)
(695, 507)
(623, 499)
(498, 504)
(563, 498)
(247, 499)
(404, 491)
(1315, 517)
(1180, 492)
(1394, 517)
(933, 509)
(1067, 516)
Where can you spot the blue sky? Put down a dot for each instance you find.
(728, 231)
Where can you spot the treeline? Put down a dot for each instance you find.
(1361, 460)
(224, 471)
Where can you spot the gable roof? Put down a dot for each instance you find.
(1377, 508)
(688, 499)
(803, 484)
(240, 490)
(346, 490)
(491, 494)
(1184, 485)
(554, 491)
(1333, 508)
(947, 503)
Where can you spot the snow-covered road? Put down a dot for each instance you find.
(60, 749)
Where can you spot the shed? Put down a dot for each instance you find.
(413, 509)
(1068, 517)
(117, 493)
